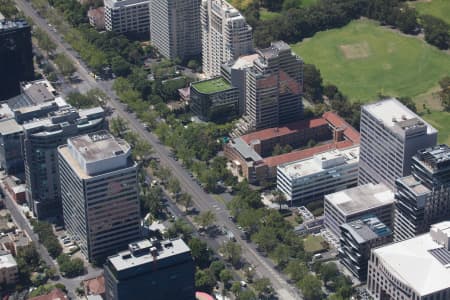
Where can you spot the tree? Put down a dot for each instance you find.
(70, 267)
(281, 254)
(44, 41)
(204, 280)
(328, 271)
(174, 185)
(216, 267)
(312, 83)
(263, 286)
(296, 270)
(236, 288)
(266, 238)
(225, 276)
(118, 126)
(311, 287)
(64, 64)
(247, 295)
(444, 94)
(185, 200)
(180, 228)
(436, 31)
(232, 252)
(201, 255)
(205, 219)
(279, 197)
(120, 66)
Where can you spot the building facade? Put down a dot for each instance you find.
(11, 157)
(100, 194)
(41, 137)
(127, 16)
(310, 179)
(225, 35)
(9, 272)
(274, 88)
(357, 239)
(355, 203)
(414, 269)
(16, 57)
(423, 198)
(390, 135)
(163, 269)
(214, 99)
(175, 28)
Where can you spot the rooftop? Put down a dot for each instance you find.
(361, 198)
(274, 161)
(144, 252)
(412, 262)
(320, 162)
(39, 91)
(6, 25)
(9, 126)
(414, 185)
(435, 157)
(55, 294)
(367, 228)
(7, 261)
(245, 61)
(98, 146)
(392, 113)
(270, 133)
(211, 86)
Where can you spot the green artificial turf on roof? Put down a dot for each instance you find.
(211, 86)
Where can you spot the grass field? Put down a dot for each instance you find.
(440, 120)
(314, 244)
(364, 59)
(437, 8)
(265, 14)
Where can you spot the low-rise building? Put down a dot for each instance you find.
(214, 99)
(163, 269)
(251, 154)
(357, 239)
(96, 17)
(55, 294)
(311, 178)
(127, 16)
(352, 204)
(417, 268)
(9, 272)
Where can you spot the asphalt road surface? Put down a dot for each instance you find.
(202, 200)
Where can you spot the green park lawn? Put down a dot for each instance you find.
(437, 8)
(266, 15)
(440, 120)
(364, 59)
(314, 244)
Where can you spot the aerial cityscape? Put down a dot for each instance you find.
(224, 149)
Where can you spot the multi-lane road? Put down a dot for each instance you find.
(202, 200)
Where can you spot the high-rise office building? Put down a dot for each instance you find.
(390, 135)
(225, 35)
(41, 137)
(357, 239)
(127, 16)
(414, 269)
(16, 57)
(151, 270)
(99, 194)
(423, 198)
(274, 87)
(175, 28)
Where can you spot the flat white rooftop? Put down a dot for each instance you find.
(412, 262)
(361, 198)
(245, 61)
(391, 111)
(320, 162)
(7, 261)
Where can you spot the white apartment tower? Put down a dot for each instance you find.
(391, 135)
(225, 35)
(175, 28)
(100, 194)
(127, 16)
